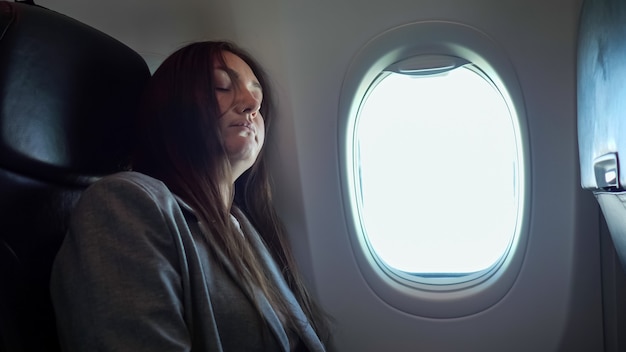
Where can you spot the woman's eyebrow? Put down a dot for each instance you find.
(228, 70)
(234, 74)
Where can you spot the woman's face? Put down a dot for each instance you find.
(239, 96)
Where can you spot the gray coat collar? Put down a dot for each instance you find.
(307, 335)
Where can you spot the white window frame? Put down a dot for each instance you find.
(451, 298)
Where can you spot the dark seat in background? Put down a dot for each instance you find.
(68, 94)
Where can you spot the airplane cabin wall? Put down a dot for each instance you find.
(555, 303)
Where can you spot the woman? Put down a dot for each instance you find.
(186, 252)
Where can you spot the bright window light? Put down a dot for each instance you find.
(436, 159)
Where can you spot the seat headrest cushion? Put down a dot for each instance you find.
(68, 94)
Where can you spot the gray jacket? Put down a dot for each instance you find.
(134, 274)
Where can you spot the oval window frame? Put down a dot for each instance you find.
(445, 299)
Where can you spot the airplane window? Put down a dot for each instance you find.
(437, 170)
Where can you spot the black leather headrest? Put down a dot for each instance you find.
(68, 95)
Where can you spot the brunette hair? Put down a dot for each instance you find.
(179, 143)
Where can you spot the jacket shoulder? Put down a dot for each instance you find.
(128, 180)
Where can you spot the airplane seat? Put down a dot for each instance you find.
(68, 94)
(602, 111)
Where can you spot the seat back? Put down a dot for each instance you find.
(602, 111)
(68, 95)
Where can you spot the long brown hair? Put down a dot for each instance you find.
(180, 144)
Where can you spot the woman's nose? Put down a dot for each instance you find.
(248, 103)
